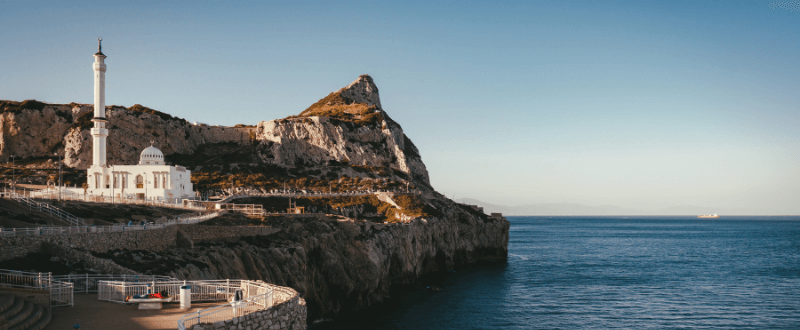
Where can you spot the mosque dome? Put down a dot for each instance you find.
(151, 156)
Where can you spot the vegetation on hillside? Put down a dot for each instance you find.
(17, 107)
(367, 207)
(39, 170)
(338, 107)
(138, 108)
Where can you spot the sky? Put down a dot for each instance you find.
(639, 104)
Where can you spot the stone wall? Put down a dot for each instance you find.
(149, 240)
(288, 313)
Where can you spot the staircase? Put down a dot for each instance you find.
(22, 315)
(48, 209)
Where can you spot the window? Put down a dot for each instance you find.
(155, 182)
(164, 182)
(139, 182)
(116, 185)
(97, 181)
(107, 181)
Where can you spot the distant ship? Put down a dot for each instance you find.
(708, 216)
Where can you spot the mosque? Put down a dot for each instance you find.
(151, 179)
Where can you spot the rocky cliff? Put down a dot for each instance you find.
(32, 129)
(339, 264)
(346, 257)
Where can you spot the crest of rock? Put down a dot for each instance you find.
(358, 102)
(362, 90)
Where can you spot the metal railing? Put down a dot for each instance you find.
(60, 292)
(69, 195)
(90, 283)
(312, 193)
(256, 296)
(248, 209)
(212, 290)
(40, 231)
(54, 211)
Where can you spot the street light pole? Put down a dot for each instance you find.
(59, 175)
(13, 175)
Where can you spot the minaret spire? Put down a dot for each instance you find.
(99, 47)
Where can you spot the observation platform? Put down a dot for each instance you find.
(92, 313)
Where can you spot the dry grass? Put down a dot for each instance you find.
(336, 106)
(16, 107)
(371, 207)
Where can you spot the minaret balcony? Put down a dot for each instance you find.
(100, 131)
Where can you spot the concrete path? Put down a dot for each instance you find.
(91, 314)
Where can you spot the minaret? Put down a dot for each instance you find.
(99, 132)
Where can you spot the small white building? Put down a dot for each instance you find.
(151, 179)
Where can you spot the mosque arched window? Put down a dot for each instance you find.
(155, 182)
(139, 182)
(107, 181)
(116, 185)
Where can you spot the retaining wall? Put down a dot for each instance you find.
(149, 240)
(287, 314)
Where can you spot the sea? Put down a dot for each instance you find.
(609, 272)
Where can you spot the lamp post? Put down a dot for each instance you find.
(59, 175)
(13, 175)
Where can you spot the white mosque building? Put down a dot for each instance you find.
(151, 179)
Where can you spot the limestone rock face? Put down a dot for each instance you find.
(130, 132)
(34, 133)
(65, 129)
(363, 90)
(318, 140)
(294, 141)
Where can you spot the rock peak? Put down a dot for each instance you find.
(362, 90)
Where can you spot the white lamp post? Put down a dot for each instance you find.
(13, 174)
(59, 175)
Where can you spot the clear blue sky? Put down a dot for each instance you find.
(637, 104)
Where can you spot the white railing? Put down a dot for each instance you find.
(313, 194)
(256, 296)
(60, 292)
(249, 209)
(33, 205)
(86, 283)
(212, 290)
(73, 196)
(41, 231)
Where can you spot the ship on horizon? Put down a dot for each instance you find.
(708, 216)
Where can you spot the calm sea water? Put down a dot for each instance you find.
(615, 272)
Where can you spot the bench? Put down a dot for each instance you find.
(149, 303)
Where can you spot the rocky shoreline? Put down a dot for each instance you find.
(338, 265)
